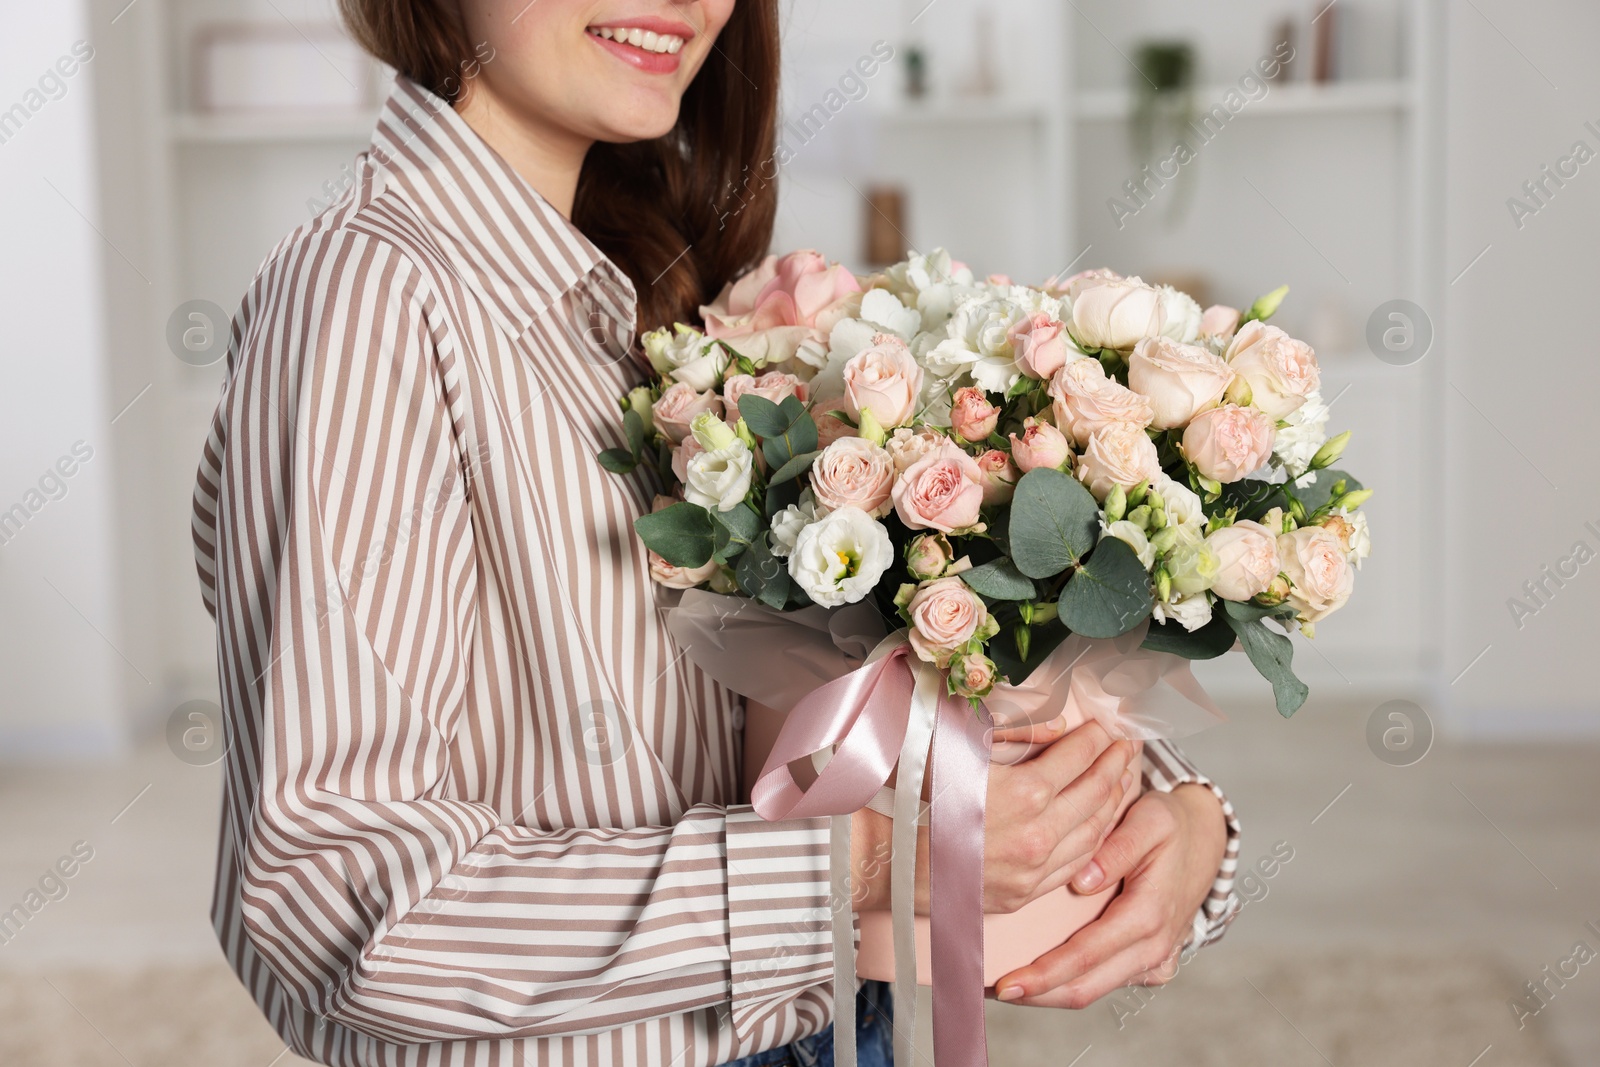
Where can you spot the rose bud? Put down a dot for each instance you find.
(1038, 344)
(971, 414)
(972, 675)
(1041, 445)
(999, 477)
(928, 556)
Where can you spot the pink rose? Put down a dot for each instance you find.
(930, 556)
(971, 414)
(782, 304)
(942, 491)
(1319, 571)
(830, 427)
(678, 406)
(1179, 380)
(682, 454)
(677, 577)
(945, 615)
(1219, 320)
(999, 476)
(1039, 347)
(885, 379)
(1041, 445)
(1087, 400)
(999, 279)
(907, 446)
(1229, 442)
(1117, 454)
(1247, 560)
(972, 675)
(773, 386)
(1282, 373)
(853, 473)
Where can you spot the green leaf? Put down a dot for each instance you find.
(618, 461)
(1319, 494)
(1208, 642)
(633, 425)
(1000, 580)
(1054, 523)
(684, 534)
(799, 439)
(736, 529)
(1020, 386)
(796, 466)
(763, 576)
(763, 417)
(1271, 653)
(781, 496)
(1046, 638)
(1110, 593)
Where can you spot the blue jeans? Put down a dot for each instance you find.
(874, 1037)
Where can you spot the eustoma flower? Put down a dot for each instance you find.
(718, 479)
(839, 558)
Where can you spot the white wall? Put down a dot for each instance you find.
(1520, 346)
(62, 674)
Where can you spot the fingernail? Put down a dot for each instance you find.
(1009, 992)
(1090, 877)
(1058, 724)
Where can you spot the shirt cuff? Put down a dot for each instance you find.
(1166, 768)
(780, 926)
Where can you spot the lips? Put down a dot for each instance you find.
(648, 44)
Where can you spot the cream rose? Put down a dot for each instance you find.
(1219, 321)
(942, 491)
(1281, 372)
(1319, 571)
(678, 406)
(854, 473)
(1087, 400)
(1117, 455)
(1179, 380)
(1116, 313)
(884, 379)
(1041, 445)
(1247, 560)
(945, 615)
(773, 385)
(909, 446)
(1229, 442)
(839, 558)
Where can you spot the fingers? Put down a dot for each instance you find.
(1063, 762)
(1148, 963)
(1105, 783)
(1149, 823)
(1128, 939)
(1040, 734)
(1078, 847)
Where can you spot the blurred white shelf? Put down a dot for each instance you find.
(244, 128)
(952, 111)
(1294, 99)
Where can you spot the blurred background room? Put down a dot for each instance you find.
(1421, 864)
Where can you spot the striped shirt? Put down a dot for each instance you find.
(477, 808)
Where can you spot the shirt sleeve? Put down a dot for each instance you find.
(1165, 768)
(344, 582)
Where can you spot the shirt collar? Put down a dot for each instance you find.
(502, 238)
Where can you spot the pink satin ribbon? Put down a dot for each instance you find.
(865, 714)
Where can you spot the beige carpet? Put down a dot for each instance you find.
(1311, 1009)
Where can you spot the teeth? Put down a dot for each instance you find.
(642, 39)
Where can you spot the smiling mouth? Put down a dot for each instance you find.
(644, 40)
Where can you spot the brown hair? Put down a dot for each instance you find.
(683, 214)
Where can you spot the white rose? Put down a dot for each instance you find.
(719, 479)
(1116, 313)
(1282, 373)
(840, 558)
(1133, 537)
(1190, 612)
(787, 524)
(1247, 559)
(686, 355)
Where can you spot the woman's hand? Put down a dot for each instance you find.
(1167, 847)
(1044, 820)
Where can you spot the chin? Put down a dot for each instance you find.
(643, 120)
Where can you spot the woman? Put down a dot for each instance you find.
(478, 808)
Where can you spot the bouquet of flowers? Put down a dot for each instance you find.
(999, 466)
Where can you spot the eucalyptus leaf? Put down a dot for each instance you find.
(1054, 523)
(796, 466)
(618, 461)
(1271, 653)
(1109, 595)
(684, 534)
(762, 416)
(763, 576)
(1000, 580)
(736, 529)
(633, 425)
